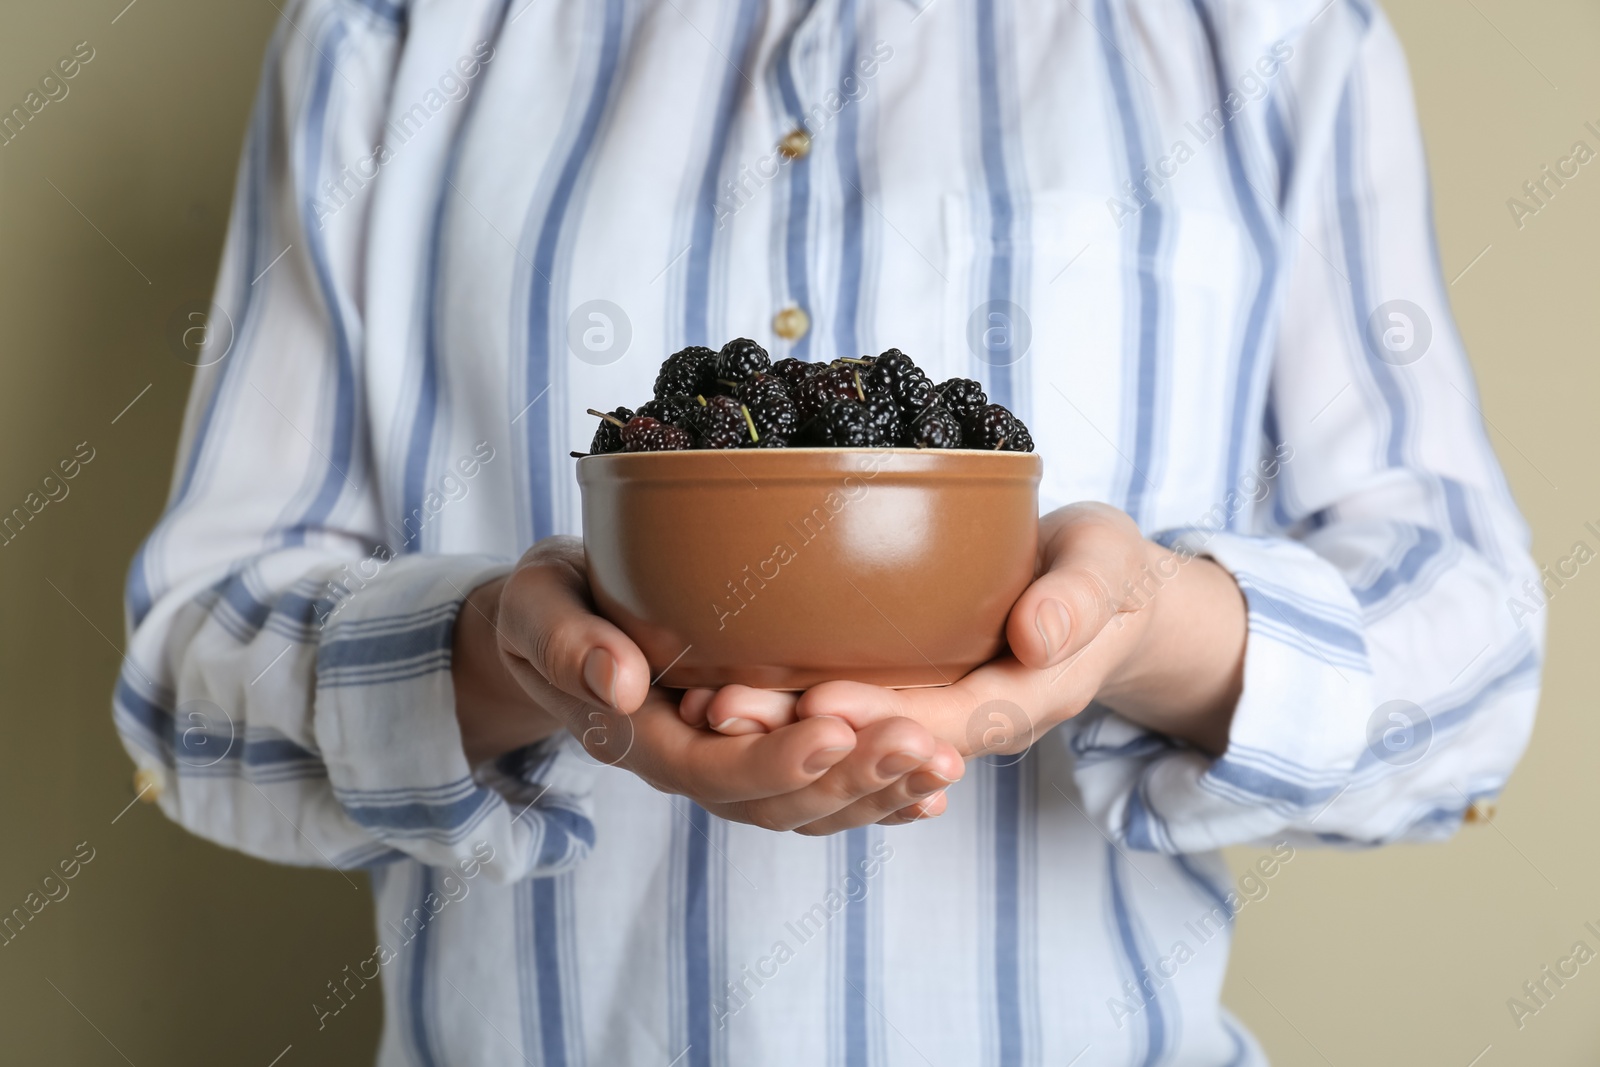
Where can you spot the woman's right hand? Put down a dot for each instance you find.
(532, 657)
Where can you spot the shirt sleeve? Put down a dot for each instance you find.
(1395, 635)
(287, 688)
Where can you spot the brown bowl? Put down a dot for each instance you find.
(784, 568)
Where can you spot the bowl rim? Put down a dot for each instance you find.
(808, 450)
(788, 465)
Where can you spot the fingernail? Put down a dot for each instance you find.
(896, 764)
(926, 783)
(735, 727)
(824, 758)
(600, 675)
(1053, 626)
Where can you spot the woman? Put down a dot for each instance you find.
(1189, 245)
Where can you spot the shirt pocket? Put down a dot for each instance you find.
(1091, 315)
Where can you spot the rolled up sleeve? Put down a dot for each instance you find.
(286, 689)
(1395, 639)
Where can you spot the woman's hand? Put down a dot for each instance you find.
(532, 658)
(1112, 617)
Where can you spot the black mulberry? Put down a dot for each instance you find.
(741, 359)
(644, 434)
(688, 372)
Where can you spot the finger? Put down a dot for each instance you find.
(692, 706)
(861, 705)
(547, 621)
(917, 788)
(715, 769)
(606, 732)
(884, 753)
(1000, 707)
(740, 709)
(1095, 565)
(930, 808)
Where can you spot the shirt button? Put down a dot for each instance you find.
(1480, 812)
(147, 784)
(791, 323)
(796, 144)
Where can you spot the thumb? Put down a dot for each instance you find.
(546, 622)
(1096, 564)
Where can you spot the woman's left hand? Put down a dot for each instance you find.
(1113, 618)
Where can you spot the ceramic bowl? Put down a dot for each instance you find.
(784, 568)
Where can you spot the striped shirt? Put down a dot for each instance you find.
(1188, 241)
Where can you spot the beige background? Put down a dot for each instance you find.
(170, 951)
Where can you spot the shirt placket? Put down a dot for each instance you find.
(798, 73)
